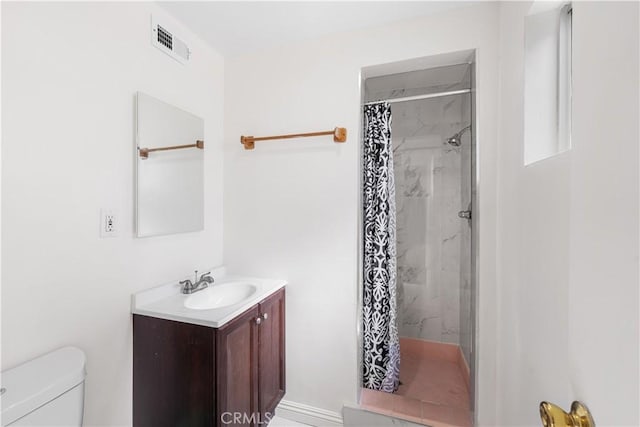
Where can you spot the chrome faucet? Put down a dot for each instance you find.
(188, 287)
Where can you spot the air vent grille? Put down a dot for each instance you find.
(165, 38)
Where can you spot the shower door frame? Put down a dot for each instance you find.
(474, 273)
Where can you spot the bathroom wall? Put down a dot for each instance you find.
(568, 230)
(604, 267)
(69, 75)
(533, 218)
(291, 207)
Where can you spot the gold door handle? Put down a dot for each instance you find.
(553, 416)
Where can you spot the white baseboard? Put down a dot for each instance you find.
(308, 414)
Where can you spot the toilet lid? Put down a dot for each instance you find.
(38, 381)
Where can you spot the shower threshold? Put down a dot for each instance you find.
(434, 387)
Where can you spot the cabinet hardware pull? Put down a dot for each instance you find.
(265, 316)
(258, 320)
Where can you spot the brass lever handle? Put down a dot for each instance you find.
(553, 415)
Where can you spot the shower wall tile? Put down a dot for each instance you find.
(429, 233)
(466, 310)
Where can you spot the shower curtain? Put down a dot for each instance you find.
(381, 359)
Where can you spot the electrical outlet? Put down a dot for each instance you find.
(108, 223)
(109, 226)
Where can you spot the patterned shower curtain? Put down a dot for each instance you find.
(381, 345)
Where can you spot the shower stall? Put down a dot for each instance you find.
(433, 156)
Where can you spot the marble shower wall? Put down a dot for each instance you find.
(466, 309)
(431, 239)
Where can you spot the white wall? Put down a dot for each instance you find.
(603, 288)
(568, 230)
(533, 250)
(69, 75)
(291, 207)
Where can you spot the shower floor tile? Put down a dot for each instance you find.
(433, 388)
(433, 380)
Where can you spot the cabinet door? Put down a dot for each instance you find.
(172, 373)
(271, 361)
(237, 368)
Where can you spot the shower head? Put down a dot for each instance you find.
(456, 140)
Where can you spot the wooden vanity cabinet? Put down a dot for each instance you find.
(271, 366)
(190, 375)
(237, 365)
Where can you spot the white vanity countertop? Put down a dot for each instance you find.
(167, 302)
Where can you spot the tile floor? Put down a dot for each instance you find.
(434, 387)
(358, 417)
(283, 422)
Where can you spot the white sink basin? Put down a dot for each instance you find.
(218, 296)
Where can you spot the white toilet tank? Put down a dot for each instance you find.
(46, 391)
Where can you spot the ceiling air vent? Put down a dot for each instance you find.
(166, 40)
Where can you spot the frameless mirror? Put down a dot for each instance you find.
(170, 169)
